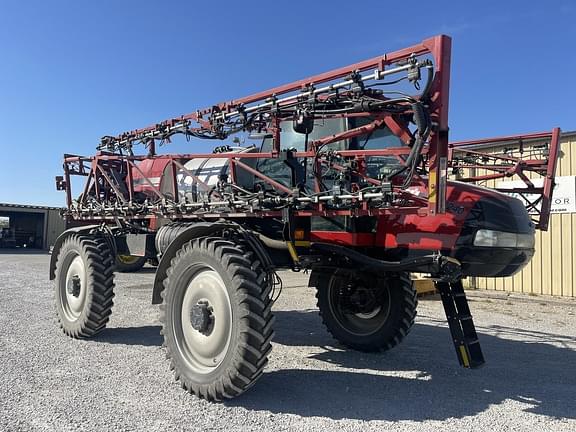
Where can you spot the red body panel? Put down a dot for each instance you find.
(149, 173)
(344, 238)
(431, 232)
(412, 231)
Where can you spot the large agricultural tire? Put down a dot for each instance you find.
(129, 263)
(216, 318)
(84, 288)
(365, 312)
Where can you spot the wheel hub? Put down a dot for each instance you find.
(201, 317)
(360, 305)
(74, 285)
(363, 300)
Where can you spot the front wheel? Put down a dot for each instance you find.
(366, 312)
(216, 318)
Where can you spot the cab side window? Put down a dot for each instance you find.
(289, 139)
(377, 166)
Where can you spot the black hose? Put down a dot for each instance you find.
(425, 263)
(428, 86)
(419, 117)
(422, 122)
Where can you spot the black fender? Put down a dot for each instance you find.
(58, 245)
(196, 230)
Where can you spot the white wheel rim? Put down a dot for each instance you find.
(73, 289)
(205, 351)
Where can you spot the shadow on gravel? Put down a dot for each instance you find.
(420, 379)
(145, 336)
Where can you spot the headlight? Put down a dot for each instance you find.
(490, 238)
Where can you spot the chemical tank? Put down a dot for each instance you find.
(200, 176)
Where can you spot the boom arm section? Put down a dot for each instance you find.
(530, 158)
(359, 91)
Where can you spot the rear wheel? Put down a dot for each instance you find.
(366, 312)
(216, 318)
(129, 263)
(84, 285)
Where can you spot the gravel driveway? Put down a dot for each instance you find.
(120, 380)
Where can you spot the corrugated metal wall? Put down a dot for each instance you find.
(55, 225)
(551, 271)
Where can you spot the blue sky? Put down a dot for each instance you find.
(72, 71)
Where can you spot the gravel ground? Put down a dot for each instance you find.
(120, 380)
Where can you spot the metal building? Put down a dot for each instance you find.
(552, 269)
(27, 226)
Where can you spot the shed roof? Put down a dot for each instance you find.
(27, 207)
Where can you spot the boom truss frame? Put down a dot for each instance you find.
(106, 197)
(464, 155)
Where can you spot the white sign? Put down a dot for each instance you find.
(563, 195)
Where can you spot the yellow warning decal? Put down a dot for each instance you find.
(432, 186)
(464, 355)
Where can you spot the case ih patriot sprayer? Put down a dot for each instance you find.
(344, 174)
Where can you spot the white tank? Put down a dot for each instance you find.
(208, 172)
